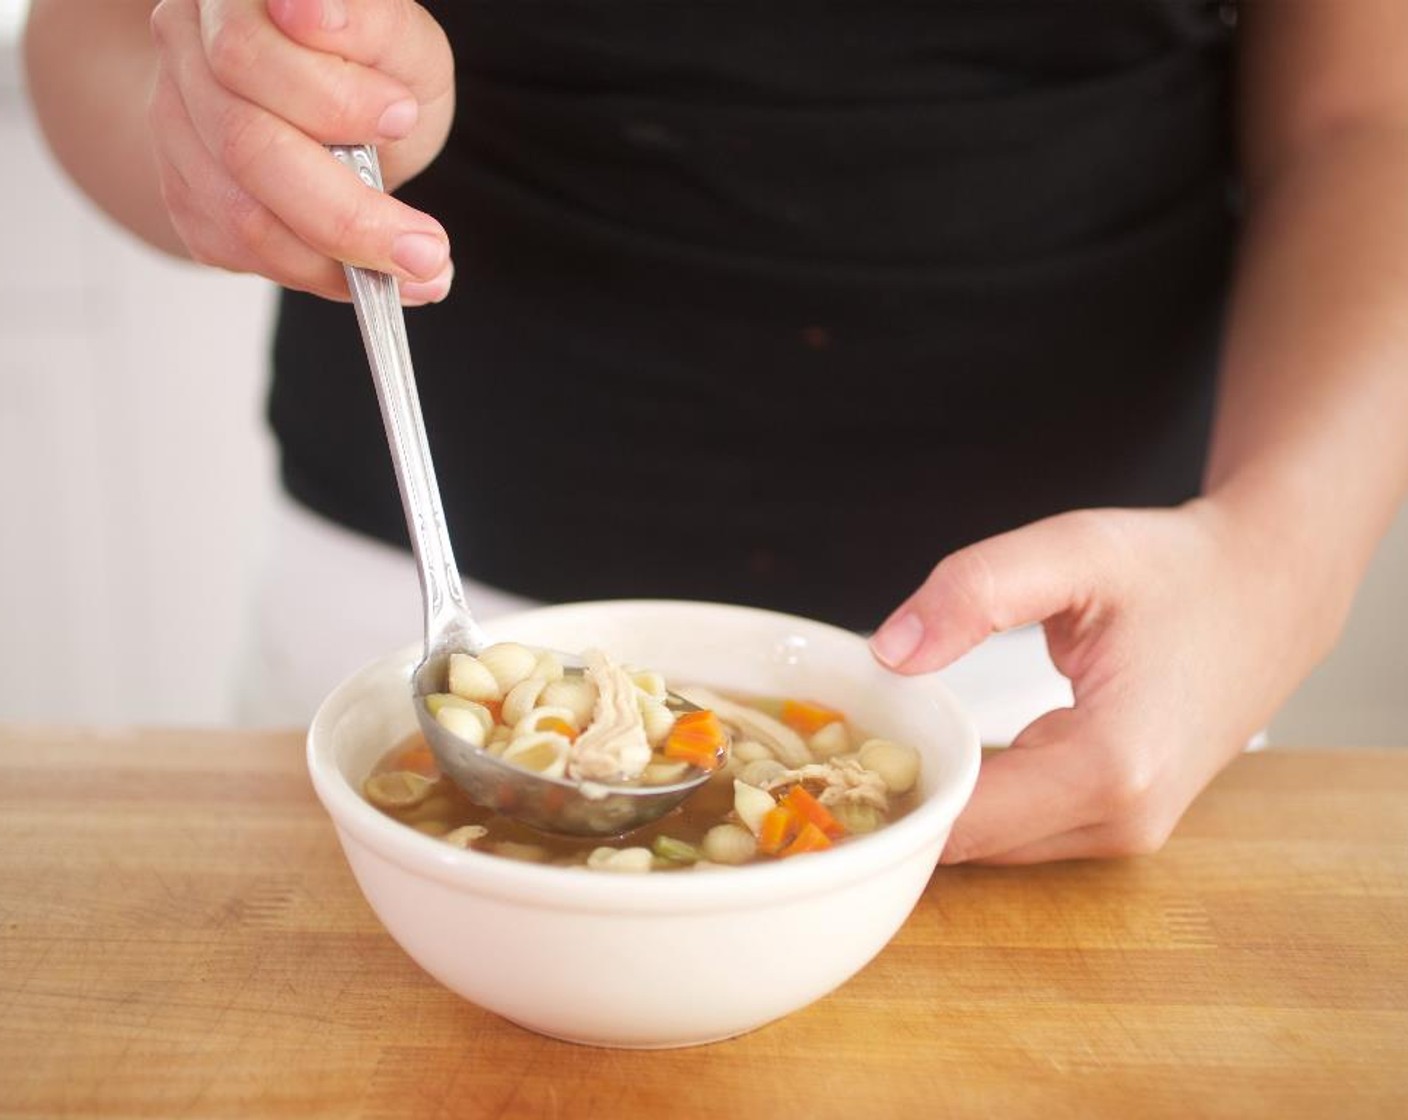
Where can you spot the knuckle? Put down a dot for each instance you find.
(231, 48)
(346, 112)
(231, 242)
(1128, 785)
(244, 140)
(1135, 811)
(1141, 836)
(1091, 530)
(200, 238)
(1104, 536)
(390, 25)
(966, 576)
(250, 224)
(350, 223)
(398, 20)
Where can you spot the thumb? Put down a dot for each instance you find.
(1026, 575)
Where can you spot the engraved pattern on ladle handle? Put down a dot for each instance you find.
(448, 621)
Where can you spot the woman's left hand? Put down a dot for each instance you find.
(1181, 634)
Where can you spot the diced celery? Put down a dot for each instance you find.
(677, 851)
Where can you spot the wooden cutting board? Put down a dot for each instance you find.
(179, 936)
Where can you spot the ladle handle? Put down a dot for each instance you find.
(448, 622)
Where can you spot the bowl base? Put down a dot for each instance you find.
(600, 1044)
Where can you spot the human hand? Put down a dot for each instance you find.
(248, 94)
(1181, 634)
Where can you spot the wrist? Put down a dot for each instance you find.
(1305, 560)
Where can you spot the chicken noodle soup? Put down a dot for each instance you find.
(799, 778)
(604, 723)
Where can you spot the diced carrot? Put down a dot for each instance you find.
(496, 709)
(808, 717)
(561, 726)
(810, 809)
(418, 760)
(697, 738)
(809, 839)
(780, 825)
(695, 753)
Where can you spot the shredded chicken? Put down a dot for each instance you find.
(613, 747)
(840, 780)
(786, 745)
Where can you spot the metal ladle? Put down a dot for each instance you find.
(558, 805)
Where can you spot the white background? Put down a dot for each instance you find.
(135, 472)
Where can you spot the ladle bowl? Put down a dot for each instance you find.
(547, 803)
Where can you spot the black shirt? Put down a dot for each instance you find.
(779, 302)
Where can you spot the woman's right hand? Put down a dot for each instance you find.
(248, 93)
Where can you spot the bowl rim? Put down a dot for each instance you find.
(582, 890)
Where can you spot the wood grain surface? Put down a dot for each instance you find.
(179, 936)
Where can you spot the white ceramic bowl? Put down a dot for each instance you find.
(660, 959)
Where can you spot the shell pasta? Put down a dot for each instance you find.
(797, 777)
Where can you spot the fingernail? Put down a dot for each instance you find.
(416, 292)
(334, 15)
(894, 642)
(399, 118)
(421, 254)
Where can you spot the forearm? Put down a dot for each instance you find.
(89, 69)
(1309, 451)
(1310, 447)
